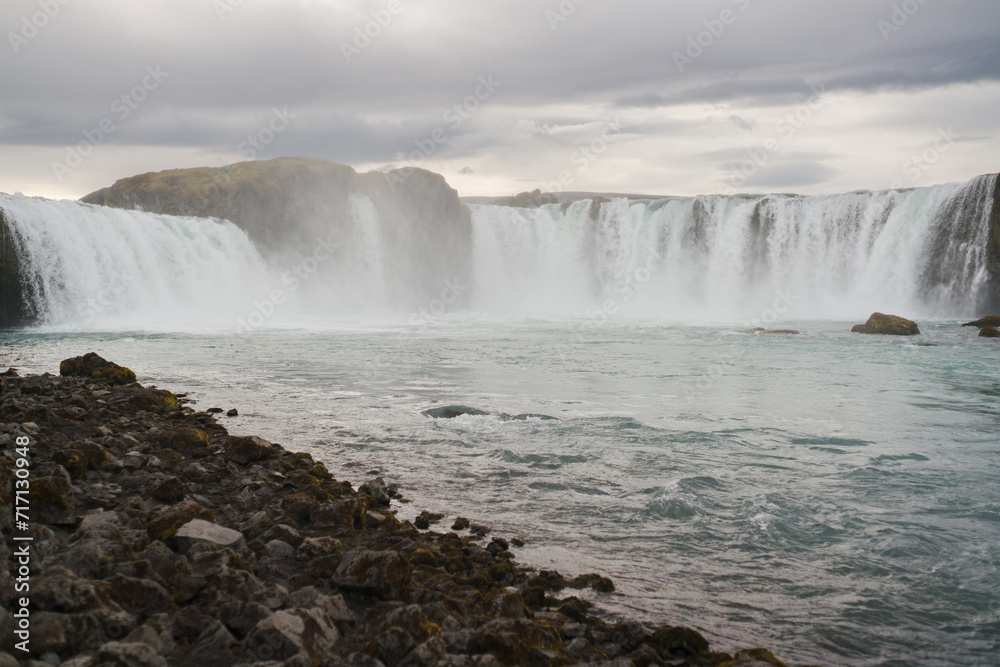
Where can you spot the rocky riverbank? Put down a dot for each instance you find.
(156, 538)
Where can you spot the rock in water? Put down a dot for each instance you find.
(989, 321)
(989, 332)
(452, 411)
(891, 325)
(92, 365)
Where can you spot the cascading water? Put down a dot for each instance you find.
(921, 252)
(86, 266)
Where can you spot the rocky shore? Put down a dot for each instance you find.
(156, 538)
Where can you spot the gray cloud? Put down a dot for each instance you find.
(606, 58)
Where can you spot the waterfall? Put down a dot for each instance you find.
(920, 252)
(85, 266)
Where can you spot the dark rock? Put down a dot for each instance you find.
(512, 640)
(988, 321)
(989, 332)
(214, 411)
(73, 460)
(574, 608)
(377, 489)
(140, 597)
(187, 441)
(425, 519)
(117, 654)
(461, 523)
(674, 640)
(233, 412)
(347, 514)
(170, 490)
(382, 573)
(248, 450)
(92, 365)
(285, 634)
(452, 411)
(890, 325)
(241, 616)
(52, 500)
(168, 521)
(755, 657)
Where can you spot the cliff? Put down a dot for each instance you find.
(288, 205)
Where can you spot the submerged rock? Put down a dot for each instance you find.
(529, 415)
(988, 321)
(452, 411)
(989, 332)
(891, 325)
(761, 331)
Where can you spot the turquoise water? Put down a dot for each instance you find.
(833, 496)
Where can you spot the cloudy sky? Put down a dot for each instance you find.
(500, 96)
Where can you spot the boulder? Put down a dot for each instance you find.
(989, 332)
(199, 530)
(247, 450)
(891, 325)
(52, 500)
(187, 440)
(988, 321)
(512, 640)
(382, 573)
(168, 521)
(285, 634)
(92, 365)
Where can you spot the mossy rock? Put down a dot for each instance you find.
(52, 500)
(753, 656)
(73, 461)
(152, 400)
(168, 521)
(888, 325)
(675, 640)
(989, 332)
(247, 450)
(515, 641)
(97, 457)
(93, 365)
(186, 440)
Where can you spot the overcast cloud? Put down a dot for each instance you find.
(680, 97)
